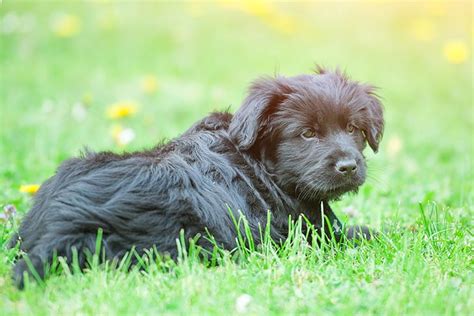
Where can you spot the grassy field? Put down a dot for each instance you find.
(63, 66)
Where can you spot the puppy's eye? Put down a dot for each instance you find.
(309, 133)
(350, 128)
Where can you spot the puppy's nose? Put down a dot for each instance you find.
(346, 167)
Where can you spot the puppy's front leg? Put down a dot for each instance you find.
(353, 232)
(332, 226)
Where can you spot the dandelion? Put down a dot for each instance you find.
(394, 145)
(242, 303)
(29, 188)
(456, 51)
(122, 109)
(282, 23)
(66, 25)
(122, 136)
(423, 29)
(351, 211)
(125, 137)
(79, 112)
(436, 8)
(267, 12)
(47, 106)
(87, 99)
(149, 84)
(256, 7)
(14, 23)
(270, 15)
(10, 23)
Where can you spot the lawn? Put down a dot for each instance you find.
(64, 66)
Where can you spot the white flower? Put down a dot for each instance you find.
(79, 111)
(242, 303)
(351, 211)
(394, 146)
(125, 136)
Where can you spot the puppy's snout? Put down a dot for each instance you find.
(346, 166)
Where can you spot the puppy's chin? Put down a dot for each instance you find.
(328, 192)
(337, 193)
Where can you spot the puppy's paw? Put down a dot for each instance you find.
(357, 232)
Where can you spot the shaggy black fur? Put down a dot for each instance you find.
(295, 144)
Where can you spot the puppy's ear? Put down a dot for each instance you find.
(374, 129)
(253, 115)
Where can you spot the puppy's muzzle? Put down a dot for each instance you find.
(346, 167)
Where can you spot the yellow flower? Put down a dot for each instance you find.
(423, 29)
(437, 8)
(66, 25)
(121, 109)
(29, 188)
(456, 52)
(256, 7)
(149, 84)
(122, 136)
(266, 11)
(87, 98)
(282, 23)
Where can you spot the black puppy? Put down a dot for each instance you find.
(295, 144)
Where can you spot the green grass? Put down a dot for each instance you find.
(420, 187)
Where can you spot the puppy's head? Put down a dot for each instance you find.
(309, 131)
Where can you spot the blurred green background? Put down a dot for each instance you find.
(64, 64)
(123, 75)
